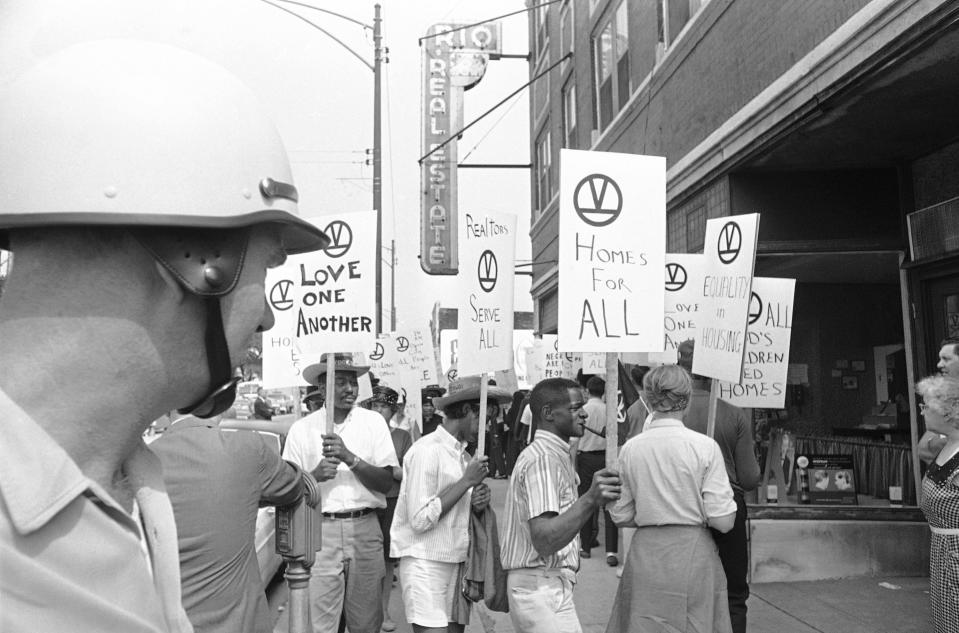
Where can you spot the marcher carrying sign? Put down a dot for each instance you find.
(612, 236)
(727, 282)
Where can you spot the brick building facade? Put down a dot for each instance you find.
(832, 119)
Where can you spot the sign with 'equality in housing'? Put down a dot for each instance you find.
(325, 301)
(485, 323)
(612, 239)
(730, 251)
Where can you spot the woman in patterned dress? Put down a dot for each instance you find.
(674, 485)
(940, 500)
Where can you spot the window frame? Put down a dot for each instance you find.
(613, 20)
(569, 132)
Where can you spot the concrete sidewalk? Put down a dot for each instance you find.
(853, 605)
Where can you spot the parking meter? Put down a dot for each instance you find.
(298, 533)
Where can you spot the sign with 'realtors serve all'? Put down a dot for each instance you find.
(325, 301)
(612, 238)
(730, 252)
(485, 318)
(766, 360)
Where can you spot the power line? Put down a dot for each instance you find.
(492, 127)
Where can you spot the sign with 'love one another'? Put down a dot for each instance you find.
(325, 301)
(612, 239)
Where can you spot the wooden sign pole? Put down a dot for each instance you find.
(612, 409)
(711, 412)
(330, 384)
(481, 438)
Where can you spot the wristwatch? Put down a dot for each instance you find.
(354, 463)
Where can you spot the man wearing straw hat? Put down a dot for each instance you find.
(353, 465)
(430, 533)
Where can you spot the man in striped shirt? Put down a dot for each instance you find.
(543, 515)
(430, 531)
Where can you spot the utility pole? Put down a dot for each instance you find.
(378, 165)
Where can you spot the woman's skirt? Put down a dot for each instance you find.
(672, 581)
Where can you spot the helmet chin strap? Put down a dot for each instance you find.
(207, 262)
(220, 398)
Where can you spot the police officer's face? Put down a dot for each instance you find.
(245, 310)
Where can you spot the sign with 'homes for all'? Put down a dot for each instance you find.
(612, 236)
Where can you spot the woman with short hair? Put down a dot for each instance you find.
(674, 486)
(940, 499)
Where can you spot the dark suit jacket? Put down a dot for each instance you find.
(262, 409)
(217, 480)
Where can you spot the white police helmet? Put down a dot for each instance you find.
(125, 132)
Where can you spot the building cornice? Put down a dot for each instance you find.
(874, 26)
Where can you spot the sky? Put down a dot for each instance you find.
(321, 98)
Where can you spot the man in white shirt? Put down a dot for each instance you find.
(354, 468)
(430, 532)
(589, 455)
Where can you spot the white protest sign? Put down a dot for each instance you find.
(730, 253)
(282, 363)
(325, 301)
(487, 245)
(544, 360)
(414, 349)
(612, 238)
(684, 287)
(767, 347)
(594, 363)
(384, 362)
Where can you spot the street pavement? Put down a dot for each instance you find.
(872, 604)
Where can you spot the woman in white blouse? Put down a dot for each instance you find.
(674, 487)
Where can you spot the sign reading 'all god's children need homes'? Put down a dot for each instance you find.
(730, 253)
(487, 245)
(766, 361)
(612, 235)
(325, 301)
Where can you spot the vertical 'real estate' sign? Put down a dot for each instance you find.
(485, 322)
(452, 60)
(612, 244)
(322, 301)
(730, 251)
